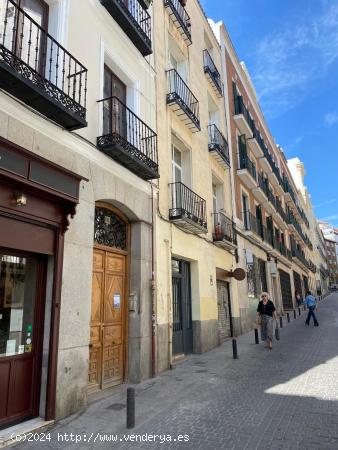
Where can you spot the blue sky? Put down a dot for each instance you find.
(291, 51)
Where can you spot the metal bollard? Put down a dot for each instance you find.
(234, 349)
(304, 307)
(130, 408)
(281, 321)
(288, 317)
(299, 313)
(256, 336)
(294, 314)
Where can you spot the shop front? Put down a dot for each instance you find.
(36, 200)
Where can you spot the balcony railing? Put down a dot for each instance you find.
(246, 163)
(182, 100)
(218, 145)
(298, 254)
(127, 139)
(37, 70)
(240, 108)
(224, 230)
(252, 224)
(188, 210)
(180, 17)
(281, 211)
(212, 72)
(134, 20)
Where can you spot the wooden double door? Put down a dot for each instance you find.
(107, 350)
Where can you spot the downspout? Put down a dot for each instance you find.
(153, 291)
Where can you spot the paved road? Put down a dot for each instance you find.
(286, 398)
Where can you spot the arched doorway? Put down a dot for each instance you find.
(108, 327)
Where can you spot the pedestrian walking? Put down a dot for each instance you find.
(298, 298)
(266, 314)
(311, 303)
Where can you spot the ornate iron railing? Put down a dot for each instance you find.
(211, 70)
(179, 92)
(121, 126)
(180, 18)
(137, 15)
(187, 205)
(217, 142)
(39, 59)
(246, 163)
(224, 228)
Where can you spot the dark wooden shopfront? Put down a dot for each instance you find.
(36, 198)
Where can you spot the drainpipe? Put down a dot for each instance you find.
(153, 291)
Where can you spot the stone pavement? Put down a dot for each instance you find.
(286, 398)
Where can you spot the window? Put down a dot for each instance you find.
(180, 162)
(176, 163)
(262, 276)
(245, 205)
(252, 274)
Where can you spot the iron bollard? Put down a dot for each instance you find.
(299, 313)
(281, 321)
(234, 349)
(130, 408)
(256, 336)
(294, 314)
(288, 317)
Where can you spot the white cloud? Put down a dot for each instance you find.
(332, 218)
(331, 118)
(288, 61)
(326, 202)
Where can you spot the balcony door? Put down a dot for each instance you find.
(114, 109)
(23, 34)
(259, 219)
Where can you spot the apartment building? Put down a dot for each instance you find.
(195, 236)
(318, 281)
(78, 151)
(330, 234)
(271, 224)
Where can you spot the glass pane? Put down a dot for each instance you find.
(17, 303)
(177, 157)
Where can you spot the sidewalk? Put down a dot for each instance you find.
(286, 398)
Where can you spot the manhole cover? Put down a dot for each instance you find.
(116, 406)
(201, 371)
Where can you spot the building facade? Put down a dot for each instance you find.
(272, 226)
(78, 152)
(319, 280)
(195, 235)
(330, 234)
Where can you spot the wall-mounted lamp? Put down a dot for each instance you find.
(20, 199)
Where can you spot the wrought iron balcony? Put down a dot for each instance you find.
(212, 73)
(37, 70)
(180, 17)
(134, 20)
(300, 256)
(182, 100)
(252, 224)
(218, 145)
(242, 117)
(225, 234)
(188, 210)
(247, 171)
(128, 140)
(283, 250)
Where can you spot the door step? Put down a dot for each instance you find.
(18, 433)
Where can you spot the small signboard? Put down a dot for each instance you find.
(117, 300)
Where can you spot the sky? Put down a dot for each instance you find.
(291, 51)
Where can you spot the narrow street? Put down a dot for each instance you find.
(286, 398)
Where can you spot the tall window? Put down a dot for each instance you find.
(245, 205)
(252, 274)
(176, 163)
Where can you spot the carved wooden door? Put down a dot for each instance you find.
(107, 342)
